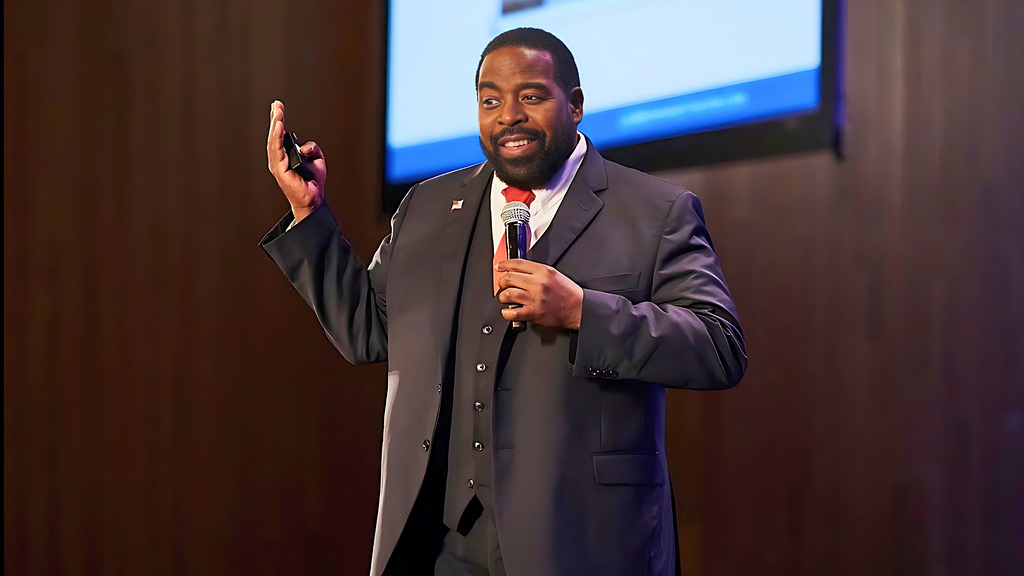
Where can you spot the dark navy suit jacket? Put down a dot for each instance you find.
(585, 489)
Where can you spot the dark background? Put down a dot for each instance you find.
(172, 407)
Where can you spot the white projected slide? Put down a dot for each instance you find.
(639, 62)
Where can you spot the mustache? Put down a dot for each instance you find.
(516, 130)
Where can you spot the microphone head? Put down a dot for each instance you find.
(515, 212)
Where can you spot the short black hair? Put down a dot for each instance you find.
(567, 76)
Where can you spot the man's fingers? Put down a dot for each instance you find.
(278, 108)
(519, 265)
(311, 150)
(514, 280)
(275, 148)
(276, 113)
(514, 295)
(275, 144)
(515, 314)
(270, 131)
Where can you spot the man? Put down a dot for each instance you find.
(540, 452)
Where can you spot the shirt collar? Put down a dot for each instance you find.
(559, 183)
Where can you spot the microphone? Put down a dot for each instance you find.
(516, 218)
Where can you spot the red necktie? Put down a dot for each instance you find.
(511, 195)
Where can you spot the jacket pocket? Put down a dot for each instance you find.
(612, 469)
(613, 282)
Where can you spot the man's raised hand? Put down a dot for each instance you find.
(303, 196)
(546, 297)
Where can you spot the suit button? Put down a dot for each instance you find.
(613, 373)
(487, 329)
(438, 388)
(481, 367)
(426, 445)
(478, 446)
(469, 483)
(478, 405)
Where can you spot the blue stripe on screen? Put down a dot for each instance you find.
(686, 114)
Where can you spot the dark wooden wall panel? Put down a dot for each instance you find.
(880, 427)
(171, 406)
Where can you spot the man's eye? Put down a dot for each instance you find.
(488, 102)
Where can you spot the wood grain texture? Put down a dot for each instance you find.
(880, 427)
(172, 407)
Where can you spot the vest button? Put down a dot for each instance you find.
(481, 367)
(478, 446)
(469, 483)
(478, 405)
(487, 329)
(426, 445)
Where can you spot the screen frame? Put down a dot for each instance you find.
(817, 129)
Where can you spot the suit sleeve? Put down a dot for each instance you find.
(687, 336)
(349, 300)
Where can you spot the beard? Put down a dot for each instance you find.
(531, 172)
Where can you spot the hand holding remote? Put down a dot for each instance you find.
(304, 196)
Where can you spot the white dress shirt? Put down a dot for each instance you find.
(544, 206)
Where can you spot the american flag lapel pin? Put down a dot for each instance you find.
(456, 205)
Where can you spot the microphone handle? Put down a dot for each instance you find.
(517, 242)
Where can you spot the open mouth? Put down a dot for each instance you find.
(516, 145)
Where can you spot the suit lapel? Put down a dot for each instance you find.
(579, 206)
(454, 246)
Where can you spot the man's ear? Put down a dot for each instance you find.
(576, 103)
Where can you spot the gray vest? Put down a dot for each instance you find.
(478, 353)
(482, 404)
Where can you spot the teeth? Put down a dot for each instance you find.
(516, 144)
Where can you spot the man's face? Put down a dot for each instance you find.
(527, 122)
